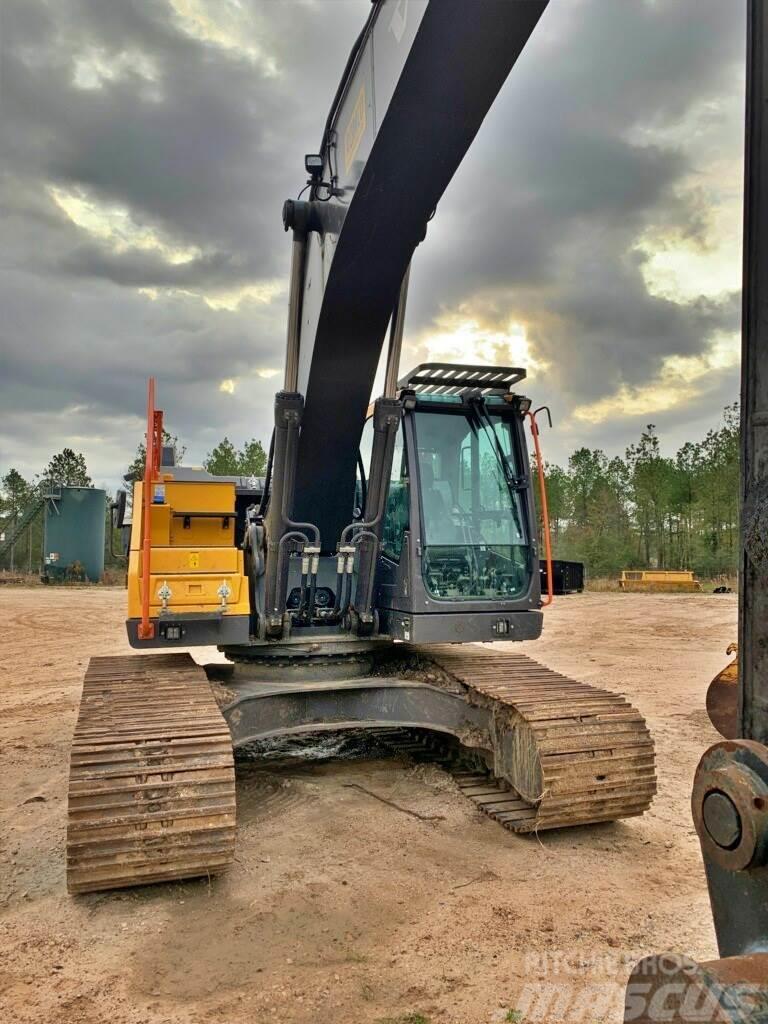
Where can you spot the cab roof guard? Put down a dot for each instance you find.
(457, 378)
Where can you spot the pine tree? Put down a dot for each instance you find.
(226, 460)
(68, 469)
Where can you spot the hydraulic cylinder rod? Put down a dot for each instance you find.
(289, 407)
(396, 338)
(298, 256)
(386, 422)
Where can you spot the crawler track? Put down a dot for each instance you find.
(152, 780)
(564, 753)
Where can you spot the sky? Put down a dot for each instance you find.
(592, 233)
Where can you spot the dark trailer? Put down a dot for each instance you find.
(567, 577)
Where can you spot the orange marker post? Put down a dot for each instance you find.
(146, 629)
(544, 510)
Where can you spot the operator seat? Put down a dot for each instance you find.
(440, 528)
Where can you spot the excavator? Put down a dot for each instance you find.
(377, 575)
(351, 586)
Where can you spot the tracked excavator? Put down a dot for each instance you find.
(345, 587)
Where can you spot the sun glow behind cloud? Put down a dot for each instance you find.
(260, 293)
(461, 338)
(114, 225)
(94, 67)
(228, 25)
(229, 385)
(685, 262)
(682, 269)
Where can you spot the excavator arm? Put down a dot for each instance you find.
(418, 85)
(753, 622)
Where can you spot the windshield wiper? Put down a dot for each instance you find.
(515, 483)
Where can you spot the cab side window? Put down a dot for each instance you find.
(366, 448)
(396, 514)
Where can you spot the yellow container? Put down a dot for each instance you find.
(675, 580)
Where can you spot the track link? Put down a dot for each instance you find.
(152, 778)
(564, 753)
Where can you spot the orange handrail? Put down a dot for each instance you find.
(544, 509)
(146, 629)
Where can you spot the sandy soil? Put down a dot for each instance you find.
(341, 908)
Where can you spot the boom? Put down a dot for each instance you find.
(420, 81)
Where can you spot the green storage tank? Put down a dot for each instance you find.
(74, 534)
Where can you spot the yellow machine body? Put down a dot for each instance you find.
(193, 550)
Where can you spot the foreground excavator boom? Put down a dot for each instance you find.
(729, 801)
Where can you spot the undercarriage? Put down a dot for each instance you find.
(152, 789)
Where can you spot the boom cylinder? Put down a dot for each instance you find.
(298, 257)
(386, 421)
(289, 407)
(301, 219)
(396, 338)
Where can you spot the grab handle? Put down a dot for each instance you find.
(543, 497)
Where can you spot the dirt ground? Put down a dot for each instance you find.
(341, 908)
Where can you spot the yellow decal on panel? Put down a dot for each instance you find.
(194, 560)
(355, 129)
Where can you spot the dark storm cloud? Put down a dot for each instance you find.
(199, 144)
(195, 142)
(205, 153)
(150, 270)
(543, 219)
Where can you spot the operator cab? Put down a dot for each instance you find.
(458, 556)
(441, 544)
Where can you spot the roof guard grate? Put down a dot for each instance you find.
(458, 378)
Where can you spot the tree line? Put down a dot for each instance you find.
(68, 468)
(225, 459)
(641, 511)
(647, 510)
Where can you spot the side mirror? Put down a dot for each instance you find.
(119, 509)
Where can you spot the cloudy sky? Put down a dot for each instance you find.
(593, 232)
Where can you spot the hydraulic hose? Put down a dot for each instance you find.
(267, 476)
